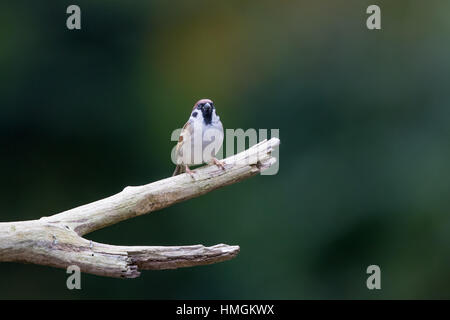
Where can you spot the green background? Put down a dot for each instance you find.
(364, 128)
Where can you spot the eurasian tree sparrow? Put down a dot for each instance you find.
(200, 139)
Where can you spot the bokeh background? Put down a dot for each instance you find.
(364, 126)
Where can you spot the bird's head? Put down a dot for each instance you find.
(206, 107)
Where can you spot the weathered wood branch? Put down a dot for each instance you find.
(57, 240)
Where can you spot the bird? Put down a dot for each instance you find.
(200, 139)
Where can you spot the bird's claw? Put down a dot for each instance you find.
(218, 163)
(190, 172)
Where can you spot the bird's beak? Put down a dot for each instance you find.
(208, 106)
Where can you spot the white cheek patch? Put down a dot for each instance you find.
(215, 117)
(196, 115)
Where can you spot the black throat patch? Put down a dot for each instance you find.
(207, 116)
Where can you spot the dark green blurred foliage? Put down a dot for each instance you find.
(364, 127)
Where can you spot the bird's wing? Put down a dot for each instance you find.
(185, 134)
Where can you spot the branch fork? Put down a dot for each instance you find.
(57, 240)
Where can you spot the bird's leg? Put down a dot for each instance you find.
(218, 163)
(189, 171)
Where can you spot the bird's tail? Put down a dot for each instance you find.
(179, 169)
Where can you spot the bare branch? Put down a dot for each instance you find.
(57, 240)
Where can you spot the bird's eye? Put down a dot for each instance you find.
(194, 114)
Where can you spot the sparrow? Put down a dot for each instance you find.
(200, 139)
